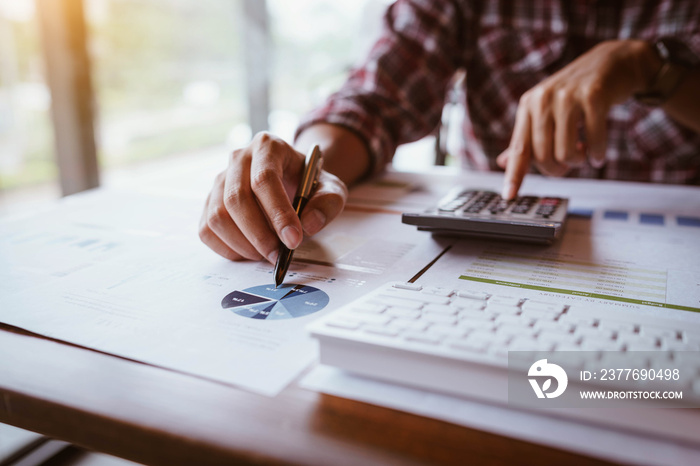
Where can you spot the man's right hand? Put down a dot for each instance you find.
(249, 209)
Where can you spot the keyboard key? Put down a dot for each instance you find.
(473, 295)
(439, 319)
(420, 337)
(675, 345)
(637, 341)
(594, 344)
(489, 337)
(658, 332)
(539, 315)
(543, 307)
(504, 301)
(467, 314)
(578, 320)
(579, 312)
(594, 333)
(406, 324)
(372, 319)
(476, 324)
(514, 320)
(408, 286)
(558, 337)
(447, 331)
(413, 296)
(637, 346)
(616, 326)
(556, 326)
(403, 313)
(438, 291)
(501, 309)
(514, 330)
(384, 331)
(499, 351)
(368, 308)
(567, 347)
(397, 302)
(477, 346)
(440, 309)
(529, 344)
(466, 303)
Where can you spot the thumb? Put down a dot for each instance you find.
(326, 203)
(502, 159)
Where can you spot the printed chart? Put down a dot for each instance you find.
(615, 282)
(267, 302)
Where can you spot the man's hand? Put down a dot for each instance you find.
(249, 209)
(578, 97)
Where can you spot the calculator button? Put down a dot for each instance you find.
(474, 208)
(500, 206)
(468, 193)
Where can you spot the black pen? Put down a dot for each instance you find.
(308, 182)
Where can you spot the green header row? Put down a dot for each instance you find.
(579, 293)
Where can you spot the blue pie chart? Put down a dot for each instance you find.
(287, 301)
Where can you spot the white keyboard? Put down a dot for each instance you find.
(457, 341)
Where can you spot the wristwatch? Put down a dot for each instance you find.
(676, 61)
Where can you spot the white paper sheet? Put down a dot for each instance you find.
(126, 274)
(626, 250)
(609, 444)
(14, 439)
(626, 245)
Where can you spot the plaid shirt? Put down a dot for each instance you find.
(507, 47)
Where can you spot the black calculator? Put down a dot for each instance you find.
(476, 212)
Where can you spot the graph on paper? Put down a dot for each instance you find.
(266, 302)
(565, 275)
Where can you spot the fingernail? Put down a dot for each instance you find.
(508, 191)
(313, 221)
(272, 257)
(291, 237)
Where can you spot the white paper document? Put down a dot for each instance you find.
(601, 442)
(627, 258)
(628, 246)
(126, 274)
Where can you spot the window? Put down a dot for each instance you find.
(170, 76)
(26, 137)
(167, 74)
(315, 44)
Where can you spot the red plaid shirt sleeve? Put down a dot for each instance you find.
(397, 95)
(507, 47)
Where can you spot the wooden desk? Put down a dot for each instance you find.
(156, 416)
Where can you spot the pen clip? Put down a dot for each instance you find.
(312, 168)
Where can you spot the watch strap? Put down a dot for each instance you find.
(670, 75)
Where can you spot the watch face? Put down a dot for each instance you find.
(675, 51)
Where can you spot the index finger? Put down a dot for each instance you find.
(596, 133)
(272, 161)
(520, 153)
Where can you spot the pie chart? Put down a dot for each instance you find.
(287, 301)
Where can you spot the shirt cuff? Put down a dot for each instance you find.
(352, 118)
